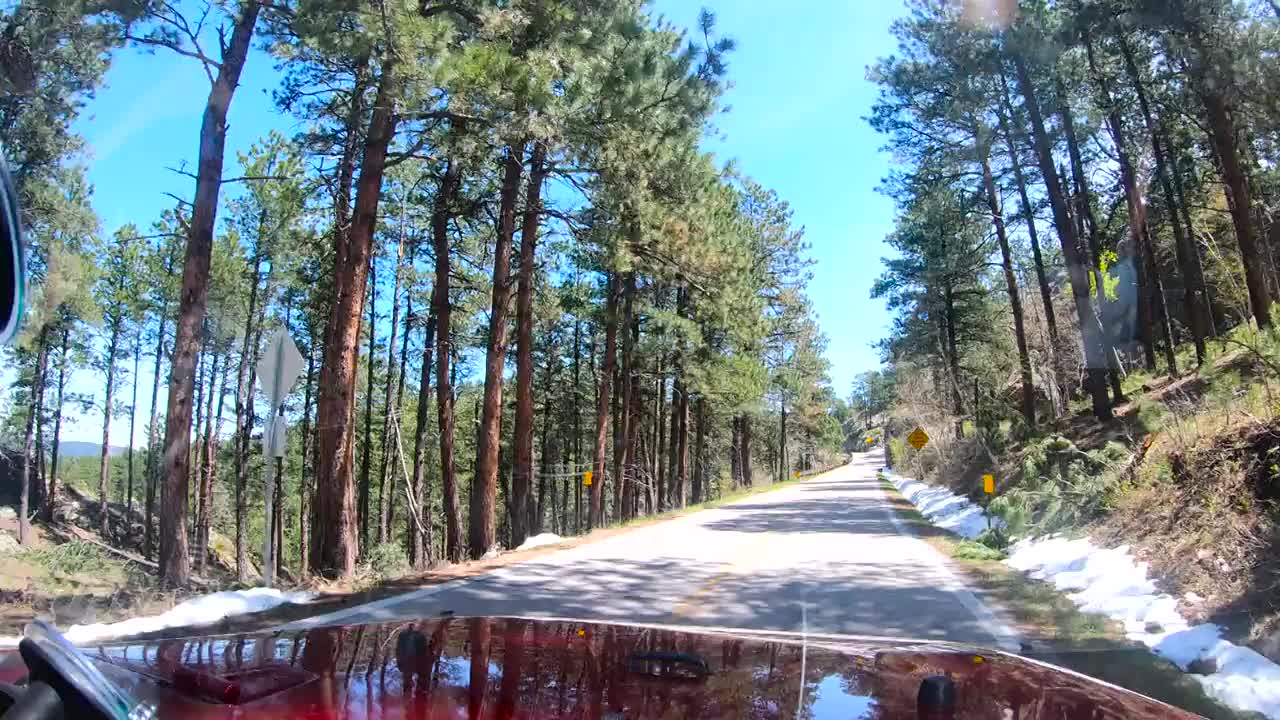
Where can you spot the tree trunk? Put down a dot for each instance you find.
(635, 413)
(440, 217)
(1088, 227)
(575, 406)
(622, 424)
(28, 453)
(366, 447)
(1194, 296)
(699, 447)
(745, 461)
(51, 494)
(1138, 230)
(604, 383)
(420, 542)
(398, 403)
(208, 456)
(1222, 134)
(1042, 279)
(133, 415)
(1028, 405)
(735, 453)
(522, 450)
(782, 439)
(1090, 330)
(104, 458)
(390, 412)
(153, 460)
(545, 480)
(334, 544)
(175, 564)
(660, 439)
(245, 413)
(304, 484)
(484, 489)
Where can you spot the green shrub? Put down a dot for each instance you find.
(388, 560)
(971, 550)
(1062, 486)
(70, 558)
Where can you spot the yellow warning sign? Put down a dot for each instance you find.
(918, 438)
(586, 478)
(989, 484)
(797, 474)
(870, 439)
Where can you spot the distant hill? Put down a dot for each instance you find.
(79, 448)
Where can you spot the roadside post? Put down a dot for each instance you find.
(988, 487)
(278, 372)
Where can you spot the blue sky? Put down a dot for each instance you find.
(796, 125)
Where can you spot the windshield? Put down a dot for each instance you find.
(935, 320)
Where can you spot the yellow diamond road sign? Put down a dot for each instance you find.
(918, 438)
(988, 484)
(586, 478)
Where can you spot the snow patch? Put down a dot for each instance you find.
(1109, 581)
(196, 612)
(944, 508)
(540, 540)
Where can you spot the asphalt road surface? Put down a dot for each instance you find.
(822, 556)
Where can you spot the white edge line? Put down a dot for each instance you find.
(995, 619)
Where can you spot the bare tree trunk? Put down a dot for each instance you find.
(484, 489)
(577, 419)
(174, 561)
(440, 217)
(104, 458)
(390, 412)
(366, 447)
(622, 428)
(28, 454)
(420, 547)
(699, 450)
(51, 495)
(133, 415)
(1028, 405)
(605, 384)
(1090, 330)
(1223, 135)
(153, 460)
(1088, 228)
(175, 564)
(745, 437)
(1194, 296)
(1042, 279)
(304, 484)
(245, 412)
(204, 477)
(334, 542)
(522, 450)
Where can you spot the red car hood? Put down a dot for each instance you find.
(507, 668)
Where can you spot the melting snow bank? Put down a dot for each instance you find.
(540, 540)
(196, 612)
(1109, 582)
(943, 507)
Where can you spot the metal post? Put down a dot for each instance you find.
(269, 489)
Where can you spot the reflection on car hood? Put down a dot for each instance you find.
(504, 668)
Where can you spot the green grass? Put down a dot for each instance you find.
(1055, 630)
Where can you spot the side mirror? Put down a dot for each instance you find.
(12, 259)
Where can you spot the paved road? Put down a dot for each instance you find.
(824, 555)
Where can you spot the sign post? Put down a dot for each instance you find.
(278, 371)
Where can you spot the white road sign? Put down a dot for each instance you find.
(279, 368)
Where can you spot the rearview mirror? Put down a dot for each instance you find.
(12, 259)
